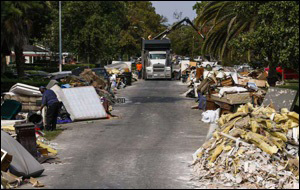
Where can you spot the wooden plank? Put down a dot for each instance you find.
(5, 160)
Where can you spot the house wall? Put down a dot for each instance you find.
(28, 58)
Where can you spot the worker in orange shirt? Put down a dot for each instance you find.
(139, 68)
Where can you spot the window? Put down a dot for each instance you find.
(157, 56)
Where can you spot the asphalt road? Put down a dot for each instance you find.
(150, 146)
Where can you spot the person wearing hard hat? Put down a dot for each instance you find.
(139, 68)
(53, 105)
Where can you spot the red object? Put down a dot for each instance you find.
(288, 73)
(139, 66)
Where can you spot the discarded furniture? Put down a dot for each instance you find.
(5, 160)
(26, 137)
(23, 163)
(78, 105)
(26, 90)
(10, 108)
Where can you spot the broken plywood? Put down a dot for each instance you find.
(281, 98)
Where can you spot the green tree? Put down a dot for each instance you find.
(103, 31)
(18, 18)
(275, 40)
(186, 41)
(92, 30)
(266, 32)
(142, 21)
(226, 19)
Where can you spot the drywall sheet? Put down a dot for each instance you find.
(184, 65)
(281, 98)
(82, 103)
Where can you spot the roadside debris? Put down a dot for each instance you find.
(225, 88)
(281, 98)
(85, 94)
(23, 163)
(254, 146)
(86, 108)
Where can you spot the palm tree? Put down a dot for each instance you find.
(225, 22)
(16, 27)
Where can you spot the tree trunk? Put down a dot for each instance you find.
(272, 76)
(3, 64)
(20, 61)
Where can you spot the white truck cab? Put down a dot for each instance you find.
(156, 57)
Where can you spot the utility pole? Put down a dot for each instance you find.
(60, 49)
(193, 47)
(89, 42)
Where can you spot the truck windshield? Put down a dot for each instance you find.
(157, 56)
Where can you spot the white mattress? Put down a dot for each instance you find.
(26, 90)
(58, 91)
(21, 98)
(82, 103)
(11, 122)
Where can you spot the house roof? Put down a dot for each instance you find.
(33, 48)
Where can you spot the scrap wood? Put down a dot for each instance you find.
(4, 183)
(293, 165)
(12, 180)
(232, 138)
(43, 151)
(265, 157)
(35, 182)
(262, 76)
(42, 145)
(92, 78)
(5, 160)
(8, 128)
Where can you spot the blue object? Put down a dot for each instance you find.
(49, 98)
(202, 101)
(252, 86)
(64, 121)
(66, 86)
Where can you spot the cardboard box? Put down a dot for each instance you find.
(193, 64)
(259, 83)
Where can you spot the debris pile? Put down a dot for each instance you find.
(224, 88)
(256, 147)
(29, 96)
(18, 166)
(91, 77)
(121, 74)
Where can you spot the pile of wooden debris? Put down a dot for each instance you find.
(255, 147)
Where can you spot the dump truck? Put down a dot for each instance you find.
(156, 59)
(156, 53)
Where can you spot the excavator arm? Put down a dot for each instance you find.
(175, 26)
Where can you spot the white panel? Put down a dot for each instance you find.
(58, 91)
(24, 89)
(82, 103)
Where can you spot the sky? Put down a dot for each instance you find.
(167, 8)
